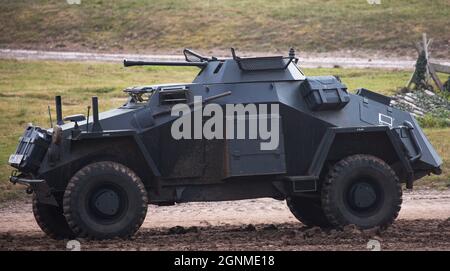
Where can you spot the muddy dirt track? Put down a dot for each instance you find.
(263, 224)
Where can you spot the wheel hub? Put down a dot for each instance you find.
(362, 195)
(106, 202)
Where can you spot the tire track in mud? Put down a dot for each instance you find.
(403, 235)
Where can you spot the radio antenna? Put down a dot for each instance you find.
(50, 116)
(87, 119)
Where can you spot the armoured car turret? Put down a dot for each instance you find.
(244, 128)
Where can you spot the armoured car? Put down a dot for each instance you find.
(337, 158)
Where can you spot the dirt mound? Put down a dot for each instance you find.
(403, 235)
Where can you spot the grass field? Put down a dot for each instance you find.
(27, 87)
(252, 25)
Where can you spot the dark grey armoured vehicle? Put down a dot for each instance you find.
(341, 158)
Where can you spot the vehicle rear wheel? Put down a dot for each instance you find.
(362, 190)
(104, 200)
(51, 220)
(308, 211)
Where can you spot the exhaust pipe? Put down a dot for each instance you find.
(59, 118)
(96, 127)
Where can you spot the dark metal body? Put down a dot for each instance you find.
(312, 136)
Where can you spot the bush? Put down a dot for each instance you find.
(437, 119)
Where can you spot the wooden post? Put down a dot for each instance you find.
(435, 77)
(425, 49)
(440, 68)
(410, 80)
(430, 69)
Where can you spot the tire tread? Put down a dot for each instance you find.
(72, 187)
(338, 169)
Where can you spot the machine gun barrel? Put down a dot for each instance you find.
(128, 63)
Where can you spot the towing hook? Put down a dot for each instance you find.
(14, 179)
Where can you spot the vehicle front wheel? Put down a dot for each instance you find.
(104, 200)
(308, 211)
(51, 220)
(362, 190)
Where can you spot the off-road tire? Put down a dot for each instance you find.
(356, 170)
(132, 201)
(308, 211)
(51, 220)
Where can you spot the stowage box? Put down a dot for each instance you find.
(324, 93)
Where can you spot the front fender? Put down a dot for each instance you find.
(327, 147)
